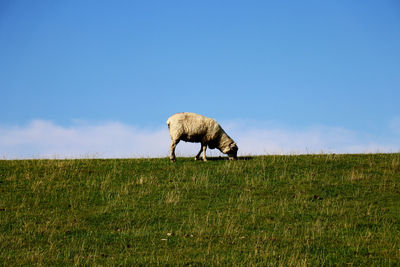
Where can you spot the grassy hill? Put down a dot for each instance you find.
(265, 210)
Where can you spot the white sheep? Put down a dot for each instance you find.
(191, 127)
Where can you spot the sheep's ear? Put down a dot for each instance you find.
(233, 145)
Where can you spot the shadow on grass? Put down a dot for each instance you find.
(226, 158)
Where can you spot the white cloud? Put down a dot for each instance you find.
(45, 139)
(304, 141)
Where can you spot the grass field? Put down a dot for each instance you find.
(264, 210)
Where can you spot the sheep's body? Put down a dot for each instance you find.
(191, 127)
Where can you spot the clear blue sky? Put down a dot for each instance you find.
(297, 63)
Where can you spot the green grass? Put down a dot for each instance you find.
(266, 210)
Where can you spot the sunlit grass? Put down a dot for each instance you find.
(278, 210)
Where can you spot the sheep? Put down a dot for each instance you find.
(191, 127)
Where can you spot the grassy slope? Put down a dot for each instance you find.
(296, 210)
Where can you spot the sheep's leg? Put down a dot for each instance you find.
(198, 154)
(204, 147)
(173, 146)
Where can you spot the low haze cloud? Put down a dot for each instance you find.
(311, 140)
(45, 139)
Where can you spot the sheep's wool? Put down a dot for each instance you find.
(191, 127)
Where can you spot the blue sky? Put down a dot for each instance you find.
(294, 67)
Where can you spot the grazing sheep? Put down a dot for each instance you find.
(191, 127)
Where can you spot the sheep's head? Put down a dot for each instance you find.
(232, 151)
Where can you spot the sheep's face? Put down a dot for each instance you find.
(232, 151)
